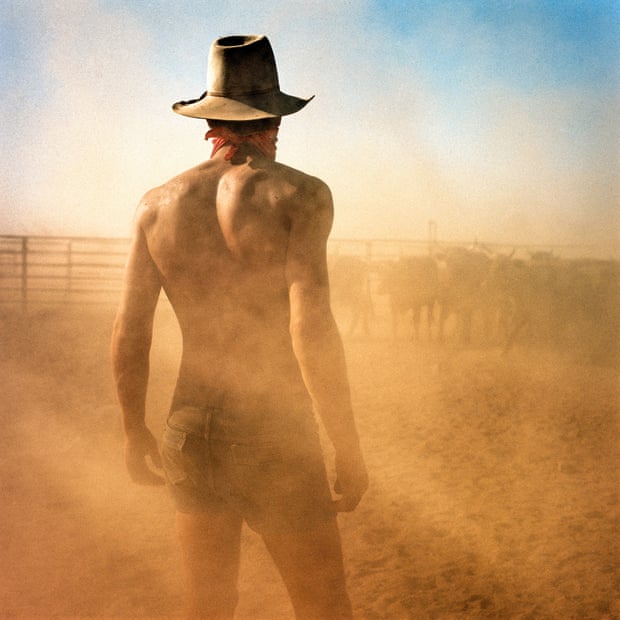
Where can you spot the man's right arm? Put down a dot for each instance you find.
(317, 342)
(131, 343)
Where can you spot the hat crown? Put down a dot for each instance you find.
(242, 83)
(241, 65)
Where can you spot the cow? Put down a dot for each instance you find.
(412, 284)
(462, 293)
(515, 291)
(605, 310)
(349, 278)
(586, 308)
(566, 305)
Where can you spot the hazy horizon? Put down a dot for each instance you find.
(497, 121)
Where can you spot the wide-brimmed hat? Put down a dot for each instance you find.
(242, 83)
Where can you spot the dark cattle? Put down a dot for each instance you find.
(349, 278)
(412, 283)
(558, 303)
(586, 308)
(534, 296)
(516, 293)
(463, 294)
(605, 310)
(568, 305)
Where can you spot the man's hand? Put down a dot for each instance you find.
(140, 443)
(351, 479)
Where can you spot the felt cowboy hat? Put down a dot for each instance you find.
(242, 83)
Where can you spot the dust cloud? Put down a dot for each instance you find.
(493, 481)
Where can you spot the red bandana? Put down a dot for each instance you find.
(264, 141)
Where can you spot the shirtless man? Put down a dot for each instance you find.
(238, 244)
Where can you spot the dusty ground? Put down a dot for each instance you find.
(493, 494)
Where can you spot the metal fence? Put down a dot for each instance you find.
(40, 271)
(56, 270)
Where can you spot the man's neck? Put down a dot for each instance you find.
(264, 141)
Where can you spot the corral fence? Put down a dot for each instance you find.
(38, 271)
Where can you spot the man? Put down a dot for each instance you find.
(238, 244)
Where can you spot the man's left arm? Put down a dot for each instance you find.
(131, 345)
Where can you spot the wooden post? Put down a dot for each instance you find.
(24, 290)
(69, 272)
(432, 236)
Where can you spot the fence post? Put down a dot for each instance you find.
(69, 271)
(432, 236)
(24, 275)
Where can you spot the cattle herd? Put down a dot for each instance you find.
(476, 297)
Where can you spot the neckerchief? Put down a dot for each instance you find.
(263, 141)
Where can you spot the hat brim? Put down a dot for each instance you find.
(267, 105)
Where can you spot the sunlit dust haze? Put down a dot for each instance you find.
(497, 121)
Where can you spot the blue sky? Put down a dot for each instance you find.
(497, 119)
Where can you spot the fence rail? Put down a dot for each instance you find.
(40, 271)
(57, 270)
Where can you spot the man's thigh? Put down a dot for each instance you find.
(311, 565)
(210, 544)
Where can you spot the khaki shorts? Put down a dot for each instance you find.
(275, 480)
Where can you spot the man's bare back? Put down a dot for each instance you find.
(225, 275)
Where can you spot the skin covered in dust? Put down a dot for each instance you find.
(240, 249)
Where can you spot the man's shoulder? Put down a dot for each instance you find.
(169, 191)
(295, 174)
(150, 203)
(301, 182)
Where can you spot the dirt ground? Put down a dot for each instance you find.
(494, 483)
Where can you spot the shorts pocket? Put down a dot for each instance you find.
(172, 455)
